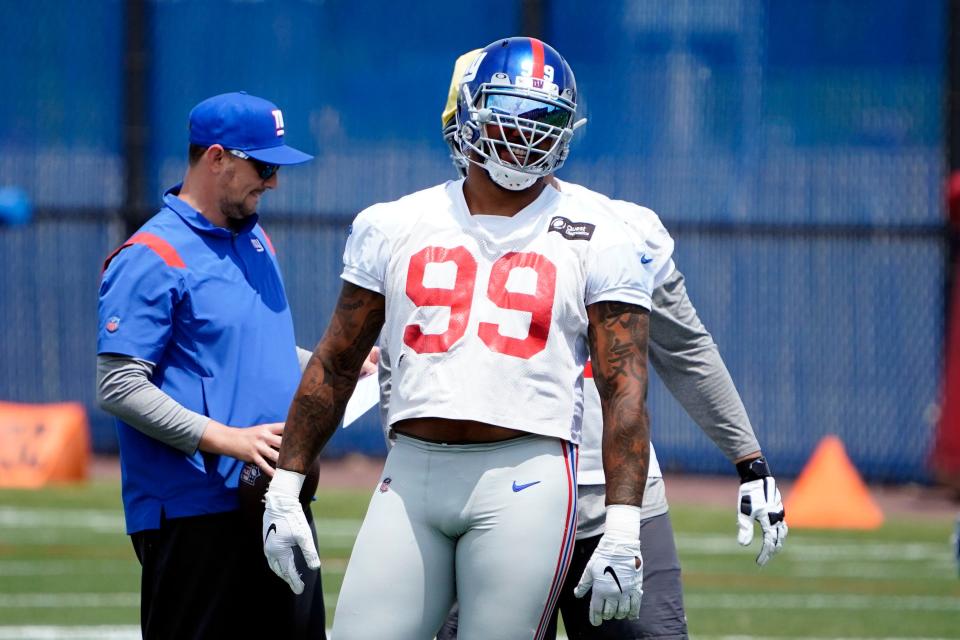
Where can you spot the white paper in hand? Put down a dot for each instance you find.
(365, 395)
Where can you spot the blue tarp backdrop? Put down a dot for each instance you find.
(794, 150)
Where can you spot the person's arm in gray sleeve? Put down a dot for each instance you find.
(124, 390)
(688, 361)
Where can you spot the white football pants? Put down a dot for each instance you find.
(492, 524)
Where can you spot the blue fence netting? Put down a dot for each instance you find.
(794, 150)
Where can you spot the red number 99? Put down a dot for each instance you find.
(460, 298)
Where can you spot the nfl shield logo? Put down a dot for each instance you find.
(113, 324)
(385, 485)
(249, 474)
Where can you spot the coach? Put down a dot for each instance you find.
(197, 359)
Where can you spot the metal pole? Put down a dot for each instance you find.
(136, 116)
(533, 18)
(952, 144)
(953, 85)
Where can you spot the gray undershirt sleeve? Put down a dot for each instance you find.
(124, 390)
(688, 361)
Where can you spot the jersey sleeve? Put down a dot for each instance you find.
(367, 253)
(627, 270)
(659, 250)
(138, 296)
(637, 262)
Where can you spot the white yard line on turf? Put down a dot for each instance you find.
(767, 637)
(693, 601)
(50, 632)
(802, 548)
(96, 519)
(112, 520)
(68, 600)
(822, 601)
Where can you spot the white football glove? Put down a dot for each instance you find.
(615, 570)
(285, 527)
(759, 500)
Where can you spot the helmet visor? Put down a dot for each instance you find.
(528, 109)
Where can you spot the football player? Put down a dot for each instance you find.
(491, 293)
(688, 361)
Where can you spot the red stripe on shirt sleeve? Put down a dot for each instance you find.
(588, 370)
(269, 243)
(157, 244)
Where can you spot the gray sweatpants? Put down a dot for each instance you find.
(491, 523)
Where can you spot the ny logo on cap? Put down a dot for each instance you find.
(278, 119)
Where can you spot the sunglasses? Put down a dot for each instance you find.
(264, 170)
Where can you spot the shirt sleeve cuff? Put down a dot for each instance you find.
(361, 279)
(629, 296)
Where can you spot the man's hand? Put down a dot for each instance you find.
(259, 444)
(369, 366)
(285, 527)
(759, 500)
(615, 570)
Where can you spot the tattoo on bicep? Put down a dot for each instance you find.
(331, 376)
(618, 336)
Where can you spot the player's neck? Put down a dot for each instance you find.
(200, 198)
(485, 197)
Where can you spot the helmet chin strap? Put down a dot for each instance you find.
(508, 178)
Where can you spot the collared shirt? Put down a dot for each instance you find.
(207, 306)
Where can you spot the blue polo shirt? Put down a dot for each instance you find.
(207, 306)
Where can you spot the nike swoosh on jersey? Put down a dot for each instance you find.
(645, 260)
(271, 529)
(613, 574)
(521, 487)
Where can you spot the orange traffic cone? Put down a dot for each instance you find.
(829, 494)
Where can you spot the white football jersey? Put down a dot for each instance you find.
(486, 315)
(652, 230)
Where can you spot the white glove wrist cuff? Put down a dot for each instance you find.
(286, 483)
(623, 522)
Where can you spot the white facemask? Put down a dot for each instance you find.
(509, 178)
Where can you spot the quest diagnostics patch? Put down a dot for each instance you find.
(571, 230)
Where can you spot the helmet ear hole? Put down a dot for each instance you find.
(470, 133)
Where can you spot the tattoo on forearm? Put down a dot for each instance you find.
(331, 376)
(618, 337)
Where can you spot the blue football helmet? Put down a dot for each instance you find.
(460, 163)
(515, 111)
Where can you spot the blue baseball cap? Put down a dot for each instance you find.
(246, 123)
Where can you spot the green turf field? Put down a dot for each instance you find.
(65, 564)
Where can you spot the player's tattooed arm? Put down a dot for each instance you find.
(330, 377)
(618, 349)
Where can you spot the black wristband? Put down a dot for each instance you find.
(753, 469)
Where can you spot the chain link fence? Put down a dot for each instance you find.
(795, 151)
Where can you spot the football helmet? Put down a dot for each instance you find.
(456, 156)
(515, 111)
(448, 118)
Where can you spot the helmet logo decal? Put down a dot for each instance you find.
(471, 72)
(529, 81)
